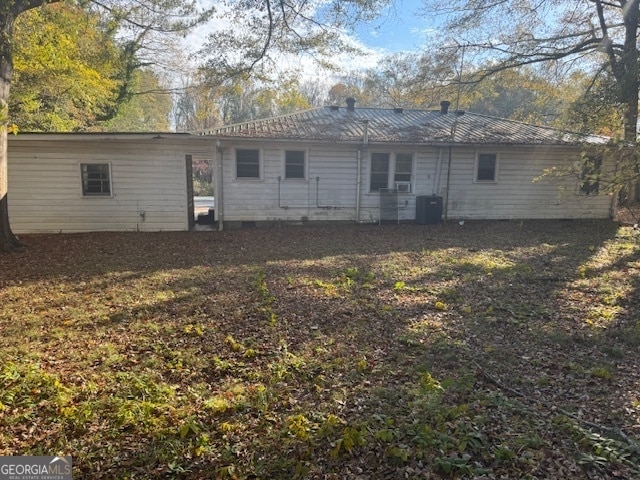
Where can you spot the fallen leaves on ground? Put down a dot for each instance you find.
(489, 350)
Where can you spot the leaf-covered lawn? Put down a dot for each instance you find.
(488, 350)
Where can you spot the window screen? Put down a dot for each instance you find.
(486, 167)
(247, 163)
(294, 164)
(379, 171)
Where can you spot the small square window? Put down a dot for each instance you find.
(486, 167)
(96, 179)
(294, 164)
(247, 163)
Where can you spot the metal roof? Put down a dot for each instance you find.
(396, 125)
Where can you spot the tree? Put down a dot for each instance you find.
(273, 29)
(66, 67)
(408, 80)
(137, 23)
(600, 36)
(147, 110)
(9, 11)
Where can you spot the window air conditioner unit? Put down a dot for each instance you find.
(403, 187)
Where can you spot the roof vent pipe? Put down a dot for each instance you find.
(444, 107)
(351, 104)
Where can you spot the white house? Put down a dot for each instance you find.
(368, 164)
(325, 164)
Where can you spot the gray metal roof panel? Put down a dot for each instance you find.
(406, 126)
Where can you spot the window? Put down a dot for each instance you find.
(403, 171)
(486, 167)
(294, 164)
(591, 176)
(391, 171)
(96, 179)
(379, 171)
(247, 163)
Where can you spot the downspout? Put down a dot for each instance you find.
(365, 140)
(453, 137)
(436, 180)
(613, 211)
(219, 156)
(446, 193)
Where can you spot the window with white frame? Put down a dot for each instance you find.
(403, 172)
(294, 164)
(486, 167)
(247, 163)
(391, 171)
(379, 171)
(96, 179)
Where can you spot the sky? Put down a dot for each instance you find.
(400, 28)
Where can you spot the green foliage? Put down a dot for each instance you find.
(602, 450)
(206, 103)
(147, 111)
(66, 68)
(27, 388)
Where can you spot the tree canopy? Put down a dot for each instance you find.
(66, 69)
(594, 36)
(138, 24)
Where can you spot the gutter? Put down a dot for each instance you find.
(219, 157)
(365, 140)
(446, 193)
(436, 180)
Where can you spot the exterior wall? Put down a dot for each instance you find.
(148, 185)
(424, 182)
(515, 194)
(327, 193)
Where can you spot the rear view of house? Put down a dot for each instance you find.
(336, 163)
(370, 164)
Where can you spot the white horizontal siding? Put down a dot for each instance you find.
(516, 193)
(148, 185)
(425, 163)
(327, 192)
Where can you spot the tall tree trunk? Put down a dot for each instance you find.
(628, 90)
(627, 71)
(8, 240)
(9, 11)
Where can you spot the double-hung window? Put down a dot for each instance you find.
(96, 179)
(486, 167)
(403, 172)
(247, 163)
(391, 171)
(294, 164)
(379, 171)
